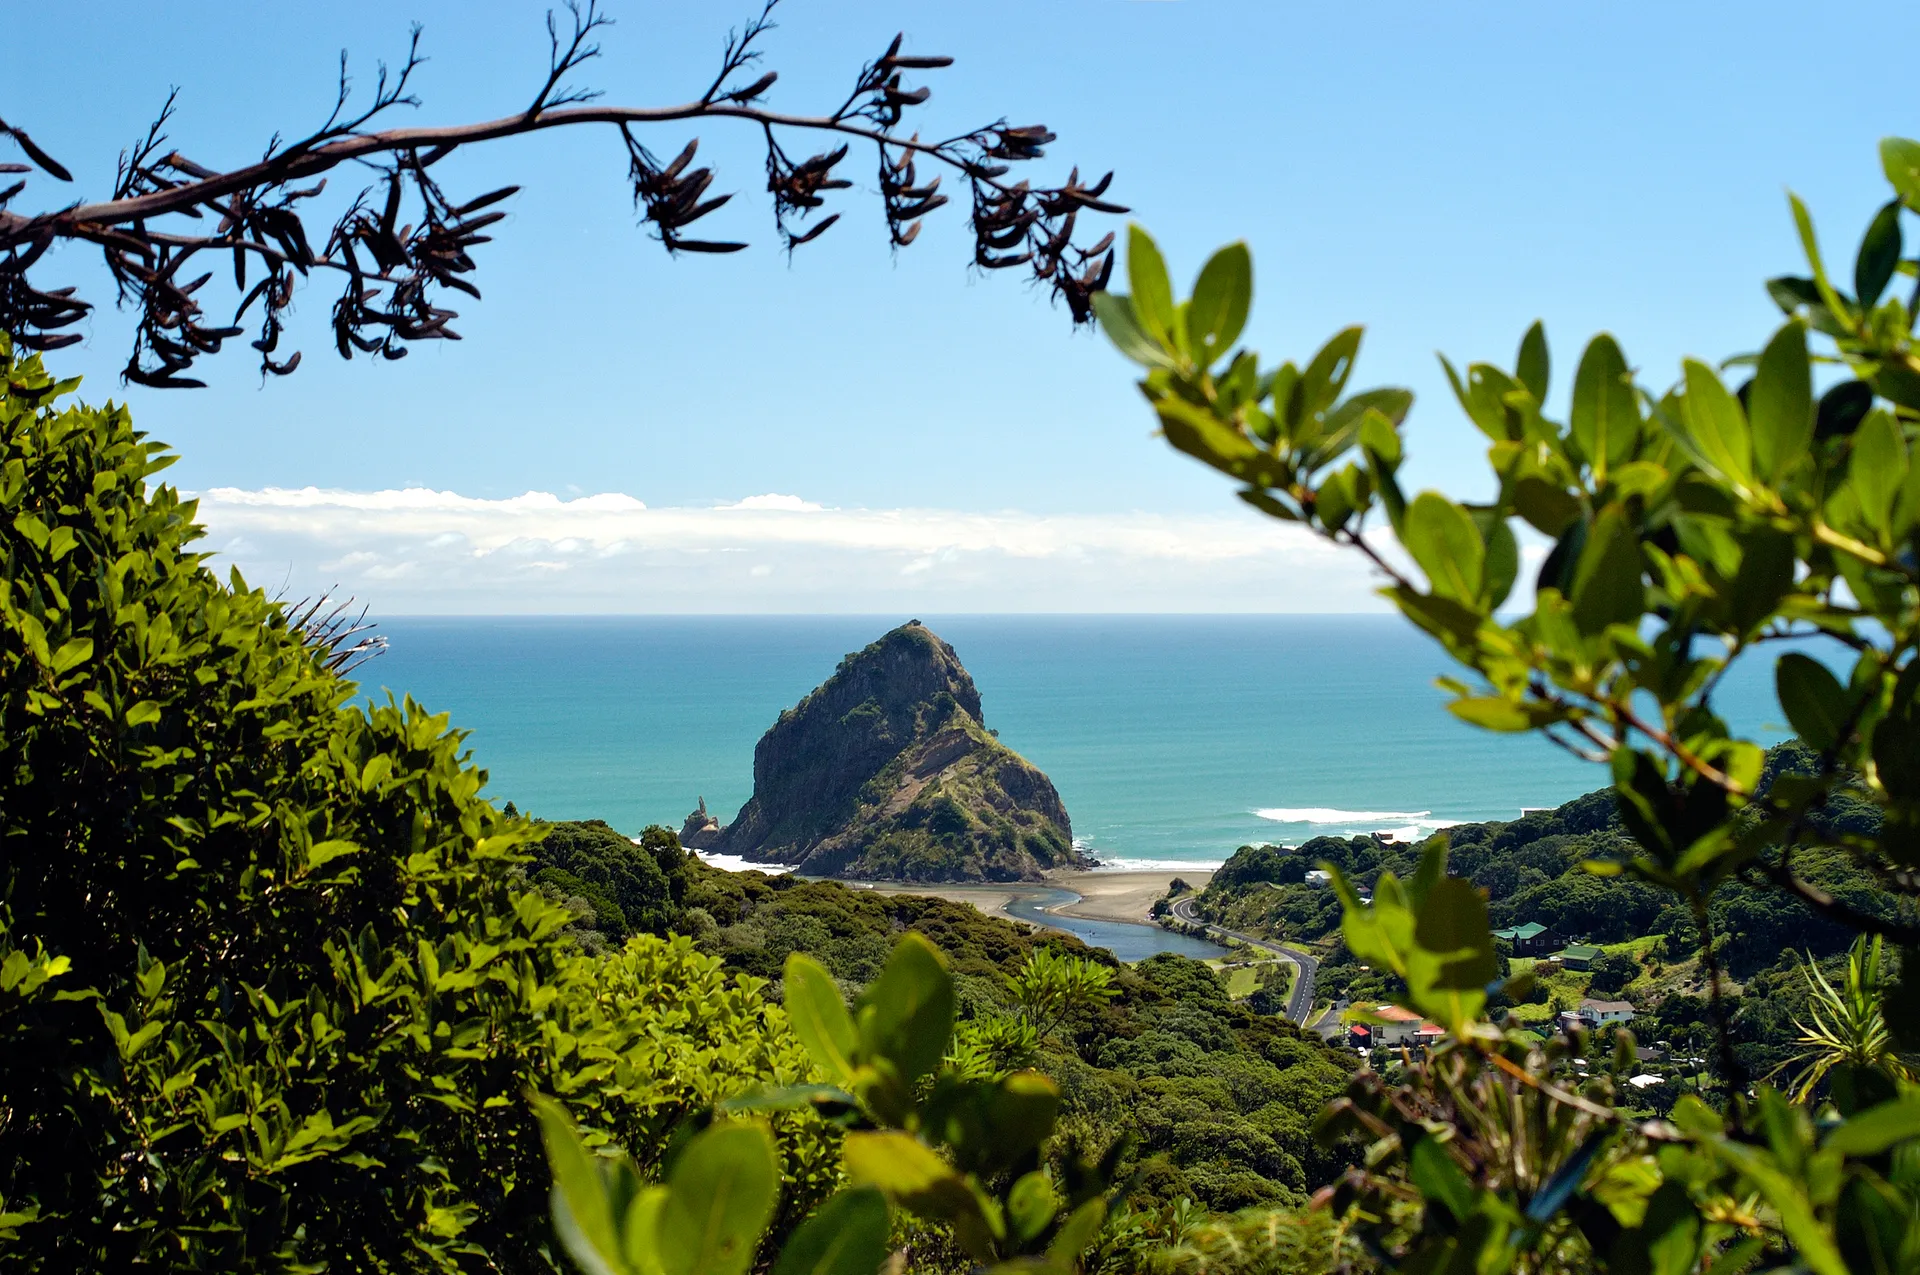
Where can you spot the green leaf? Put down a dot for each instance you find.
(1716, 426)
(1077, 1233)
(1606, 411)
(898, 1163)
(1790, 292)
(1815, 703)
(1442, 617)
(1453, 925)
(1900, 158)
(1115, 312)
(1607, 588)
(847, 1236)
(1325, 377)
(1878, 466)
(1492, 712)
(1548, 507)
(910, 1172)
(1788, 1197)
(1834, 304)
(1222, 296)
(1780, 405)
(1879, 255)
(1443, 540)
(820, 1018)
(1379, 437)
(1440, 1178)
(1877, 1129)
(906, 1016)
(721, 1193)
(1532, 367)
(1502, 564)
(581, 1214)
(1152, 297)
(324, 852)
(1764, 576)
(1031, 1205)
(73, 651)
(1344, 424)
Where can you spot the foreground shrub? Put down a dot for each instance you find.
(271, 986)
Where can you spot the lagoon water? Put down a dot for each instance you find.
(1172, 739)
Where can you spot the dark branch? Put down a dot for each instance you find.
(403, 242)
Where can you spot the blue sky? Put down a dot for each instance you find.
(1442, 173)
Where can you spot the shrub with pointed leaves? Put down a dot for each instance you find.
(953, 1148)
(271, 989)
(1691, 528)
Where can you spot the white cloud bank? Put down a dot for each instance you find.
(422, 551)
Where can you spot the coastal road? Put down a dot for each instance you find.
(1301, 1003)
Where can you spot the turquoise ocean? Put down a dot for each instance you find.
(1172, 739)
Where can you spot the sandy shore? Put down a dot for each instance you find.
(1121, 896)
(1104, 896)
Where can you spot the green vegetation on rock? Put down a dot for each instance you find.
(887, 771)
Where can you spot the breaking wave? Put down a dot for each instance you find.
(1158, 865)
(734, 863)
(1401, 825)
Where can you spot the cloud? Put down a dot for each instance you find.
(774, 500)
(416, 550)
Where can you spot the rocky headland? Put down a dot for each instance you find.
(887, 772)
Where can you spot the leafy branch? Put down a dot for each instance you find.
(403, 241)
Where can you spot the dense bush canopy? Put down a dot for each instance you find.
(272, 988)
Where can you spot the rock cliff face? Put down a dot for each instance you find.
(886, 771)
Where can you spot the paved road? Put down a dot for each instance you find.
(1301, 1003)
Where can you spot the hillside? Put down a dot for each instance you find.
(887, 771)
(1531, 871)
(1217, 1098)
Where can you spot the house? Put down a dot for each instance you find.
(1531, 939)
(1646, 1080)
(1396, 1026)
(1578, 957)
(1597, 1013)
(1319, 876)
(1360, 1038)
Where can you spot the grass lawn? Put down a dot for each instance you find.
(1636, 948)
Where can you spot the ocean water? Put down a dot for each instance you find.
(1172, 739)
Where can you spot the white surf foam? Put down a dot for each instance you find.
(734, 863)
(1401, 825)
(1158, 865)
(1332, 814)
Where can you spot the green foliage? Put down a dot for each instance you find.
(1691, 526)
(961, 1151)
(1848, 1035)
(886, 771)
(271, 986)
(1051, 986)
(1214, 1097)
(627, 886)
(1534, 869)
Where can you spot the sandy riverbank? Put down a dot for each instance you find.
(1104, 896)
(1121, 896)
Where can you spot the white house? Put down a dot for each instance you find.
(1596, 1013)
